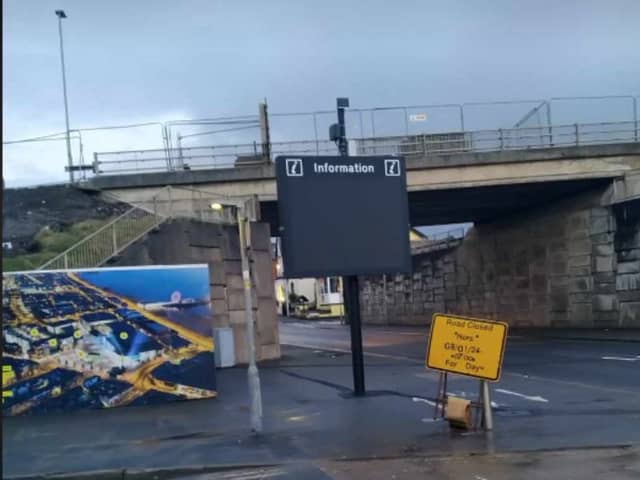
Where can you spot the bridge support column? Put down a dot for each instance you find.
(574, 263)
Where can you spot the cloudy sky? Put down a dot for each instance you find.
(153, 61)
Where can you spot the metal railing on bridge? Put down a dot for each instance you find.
(501, 139)
(439, 241)
(422, 144)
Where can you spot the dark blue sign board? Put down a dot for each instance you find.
(343, 215)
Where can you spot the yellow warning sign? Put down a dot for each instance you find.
(467, 346)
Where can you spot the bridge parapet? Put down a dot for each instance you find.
(417, 145)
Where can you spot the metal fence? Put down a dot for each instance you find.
(439, 241)
(236, 156)
(111, 239)
(198, 158)
(106, 242)
(501, 139)
(234, 136)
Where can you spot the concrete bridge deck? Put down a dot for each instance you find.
(444, 188)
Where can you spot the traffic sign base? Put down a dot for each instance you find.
(480, 415)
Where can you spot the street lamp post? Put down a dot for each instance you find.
(243, 216)
(60, 14)
(253, 375)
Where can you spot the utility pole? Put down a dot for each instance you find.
(252, 373)
(265, 135)
(60, 14)
(351, 289)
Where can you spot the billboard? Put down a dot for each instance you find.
(106, 337)
(343, 215)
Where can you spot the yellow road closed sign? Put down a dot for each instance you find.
(467, 346)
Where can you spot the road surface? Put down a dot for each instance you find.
(553, 396)
(606, 366)
(562, 393)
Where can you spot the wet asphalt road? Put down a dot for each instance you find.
(607, 366)
(553, 395)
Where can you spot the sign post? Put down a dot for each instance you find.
(350, 287)
(344, 216)
(486, 402)
(351, 294)
(471, 347)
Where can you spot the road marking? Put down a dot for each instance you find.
(343, 350)
(423, 400)
(623, 359)
(300, 418)
(464, 395)
(250, 474)
(526, 397)
(457, 394)
(303, 325)
(420, 334)
(432, 375)
(572, 383)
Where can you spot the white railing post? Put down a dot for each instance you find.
(315, 131)
(635, 118)
(66, 261)
(114, 238)
(550, 127)
(406, 121)
(577, 134)
(96, 164)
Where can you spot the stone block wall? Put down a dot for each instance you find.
(570, 264)
(190, 241)
(627, 250)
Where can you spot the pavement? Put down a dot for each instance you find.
(595, 464)
(554, 395)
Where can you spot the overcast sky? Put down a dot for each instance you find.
(138, 61)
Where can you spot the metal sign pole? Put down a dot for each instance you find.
(486, 402)
(353, 317)
(351, 290)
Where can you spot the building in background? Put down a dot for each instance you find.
(313, 297)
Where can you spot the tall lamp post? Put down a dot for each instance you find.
(245, 212)
(60, 14)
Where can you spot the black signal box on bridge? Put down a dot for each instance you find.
(343, 215)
